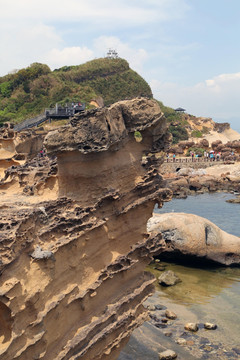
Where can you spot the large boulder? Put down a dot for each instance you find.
(215, 144)
(221, 127)
(194, 184)
(186, 144)
(204, 143)
(195, 236)
(234, 144)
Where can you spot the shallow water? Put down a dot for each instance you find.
(211, 206)
(206, 294)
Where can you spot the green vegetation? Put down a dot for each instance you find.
(170, 114)
(178, 132)
(138, 136)
(177, 123)
(27, 92)
(205, 130)
(196, 133)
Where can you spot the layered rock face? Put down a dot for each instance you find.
(15, 148)
(72, 269)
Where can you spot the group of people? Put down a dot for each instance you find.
(208, 155)
(212, 155)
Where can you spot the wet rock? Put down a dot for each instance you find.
(160, 307)
(190, 342)
(160, 326)
(168, 278)
(203, 340)
(167, 355)
(168, 333)
(237, 350)
(181, 341)
(194, 185)
(191, 327)
(170, 314)
(154, 317)
(207, 348)
(160, 267)
(164, 320)
(234, 201)
(210, 326)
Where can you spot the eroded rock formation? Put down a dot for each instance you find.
(16, 148)
(72, 268)
(192, 235)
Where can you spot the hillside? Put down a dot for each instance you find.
(29, 91)
(184, 126)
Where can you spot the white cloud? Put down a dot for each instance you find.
(25, 44)
(33, 30)
(74, 55)
(135, 57)
(72, 10)
(217, 97)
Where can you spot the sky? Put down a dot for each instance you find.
(187, 50)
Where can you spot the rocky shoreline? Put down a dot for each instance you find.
(167, 322)
(190, 181)
(193, 337)
(180, 329)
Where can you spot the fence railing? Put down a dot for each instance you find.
(29, 123)
(194, 160)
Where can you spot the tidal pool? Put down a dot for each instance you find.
(206, 294)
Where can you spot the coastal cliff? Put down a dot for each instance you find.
(73, 254)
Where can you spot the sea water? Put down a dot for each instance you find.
(211, 206)
(206, 294)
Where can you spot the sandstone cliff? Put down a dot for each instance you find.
(73, 254)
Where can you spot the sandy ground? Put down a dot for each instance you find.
(227, 135)
(233, 169)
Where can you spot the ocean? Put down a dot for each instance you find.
(206, 294)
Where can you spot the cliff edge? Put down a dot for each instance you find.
(72, 267)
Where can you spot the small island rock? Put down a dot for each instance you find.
(210, 326)
(170, 314)
(191, 327)
(168, 278)
(181, 341)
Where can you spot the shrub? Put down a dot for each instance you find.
(196, 133)
(178, 133)
(205, 130)
(6, 89)
(138, 136)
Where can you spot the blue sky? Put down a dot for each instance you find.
(187, 50)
